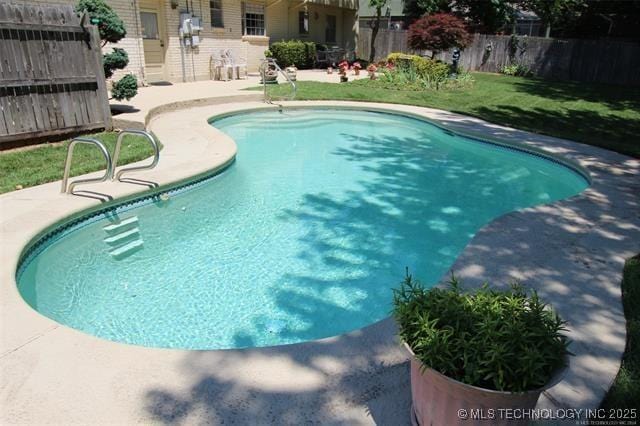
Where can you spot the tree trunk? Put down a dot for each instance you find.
(547, 31)
(374, 34)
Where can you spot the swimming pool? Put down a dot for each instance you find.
(302, 238)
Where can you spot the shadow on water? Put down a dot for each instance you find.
(332, 381)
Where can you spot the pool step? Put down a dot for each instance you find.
(121, 237)
(122, 225)
(127, 249)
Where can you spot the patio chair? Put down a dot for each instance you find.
(236, 63)
(219, 66)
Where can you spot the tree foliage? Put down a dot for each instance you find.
(438, 32)
(482, 15)
(554, 12)
(109, 24)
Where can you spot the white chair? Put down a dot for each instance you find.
(236, 63)
(219, 66)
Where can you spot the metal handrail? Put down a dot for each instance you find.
(67, 164)
(264, 67)
(116, 155)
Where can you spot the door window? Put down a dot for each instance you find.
(149, 21)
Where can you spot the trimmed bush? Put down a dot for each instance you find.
(302, 54)
(114, 60)
(125, 88)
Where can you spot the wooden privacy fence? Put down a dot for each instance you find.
(51, 75)
(603, 61)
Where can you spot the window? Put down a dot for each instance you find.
(330, 32)
(149, 21)
(303, 23)
(216, 13)
(252, 19)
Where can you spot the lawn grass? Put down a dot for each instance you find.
(45, 163)
(602, 115)
(625, 392)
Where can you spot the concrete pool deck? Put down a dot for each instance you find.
(571, 251)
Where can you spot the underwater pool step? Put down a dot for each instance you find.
(118, 238)
(127, 249)
(111, 229)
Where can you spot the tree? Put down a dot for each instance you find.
(488, 16)
(378, 5)
(482, 15)
(414, 9)
(438, 32)
(112, 30)
(554, 12)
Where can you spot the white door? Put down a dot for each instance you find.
(153, 40)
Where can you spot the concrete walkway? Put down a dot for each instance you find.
(153, 100)
(572, 251)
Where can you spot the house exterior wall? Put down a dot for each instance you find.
(184, 63)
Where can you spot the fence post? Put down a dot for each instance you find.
(103, 98)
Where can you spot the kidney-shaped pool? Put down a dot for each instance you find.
(303, 237)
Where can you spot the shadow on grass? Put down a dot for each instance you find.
(605, 131)
(615, 97)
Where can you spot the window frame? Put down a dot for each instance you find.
(212, 10)
(257, 12)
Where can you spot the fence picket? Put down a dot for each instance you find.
(604, 61)
(51, 78)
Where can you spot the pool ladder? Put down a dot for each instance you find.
(110, 163)
(264, 67)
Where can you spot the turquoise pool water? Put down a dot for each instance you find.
(303, 237)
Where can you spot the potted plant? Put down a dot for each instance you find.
(486, 350)
(371, 69)
(292, 72)
(356, 68)
(269, 75)
(344, 67)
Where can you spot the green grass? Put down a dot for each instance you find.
(602, 115)
(45, 163)
(625, 392)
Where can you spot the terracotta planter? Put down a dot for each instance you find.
(439, 400)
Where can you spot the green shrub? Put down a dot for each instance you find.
(519, 70)
(426, 68)
(109, 24)
(501, 340)
(125, 88)
(115, 60)
(302, 54)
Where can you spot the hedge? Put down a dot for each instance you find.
(302, 54)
